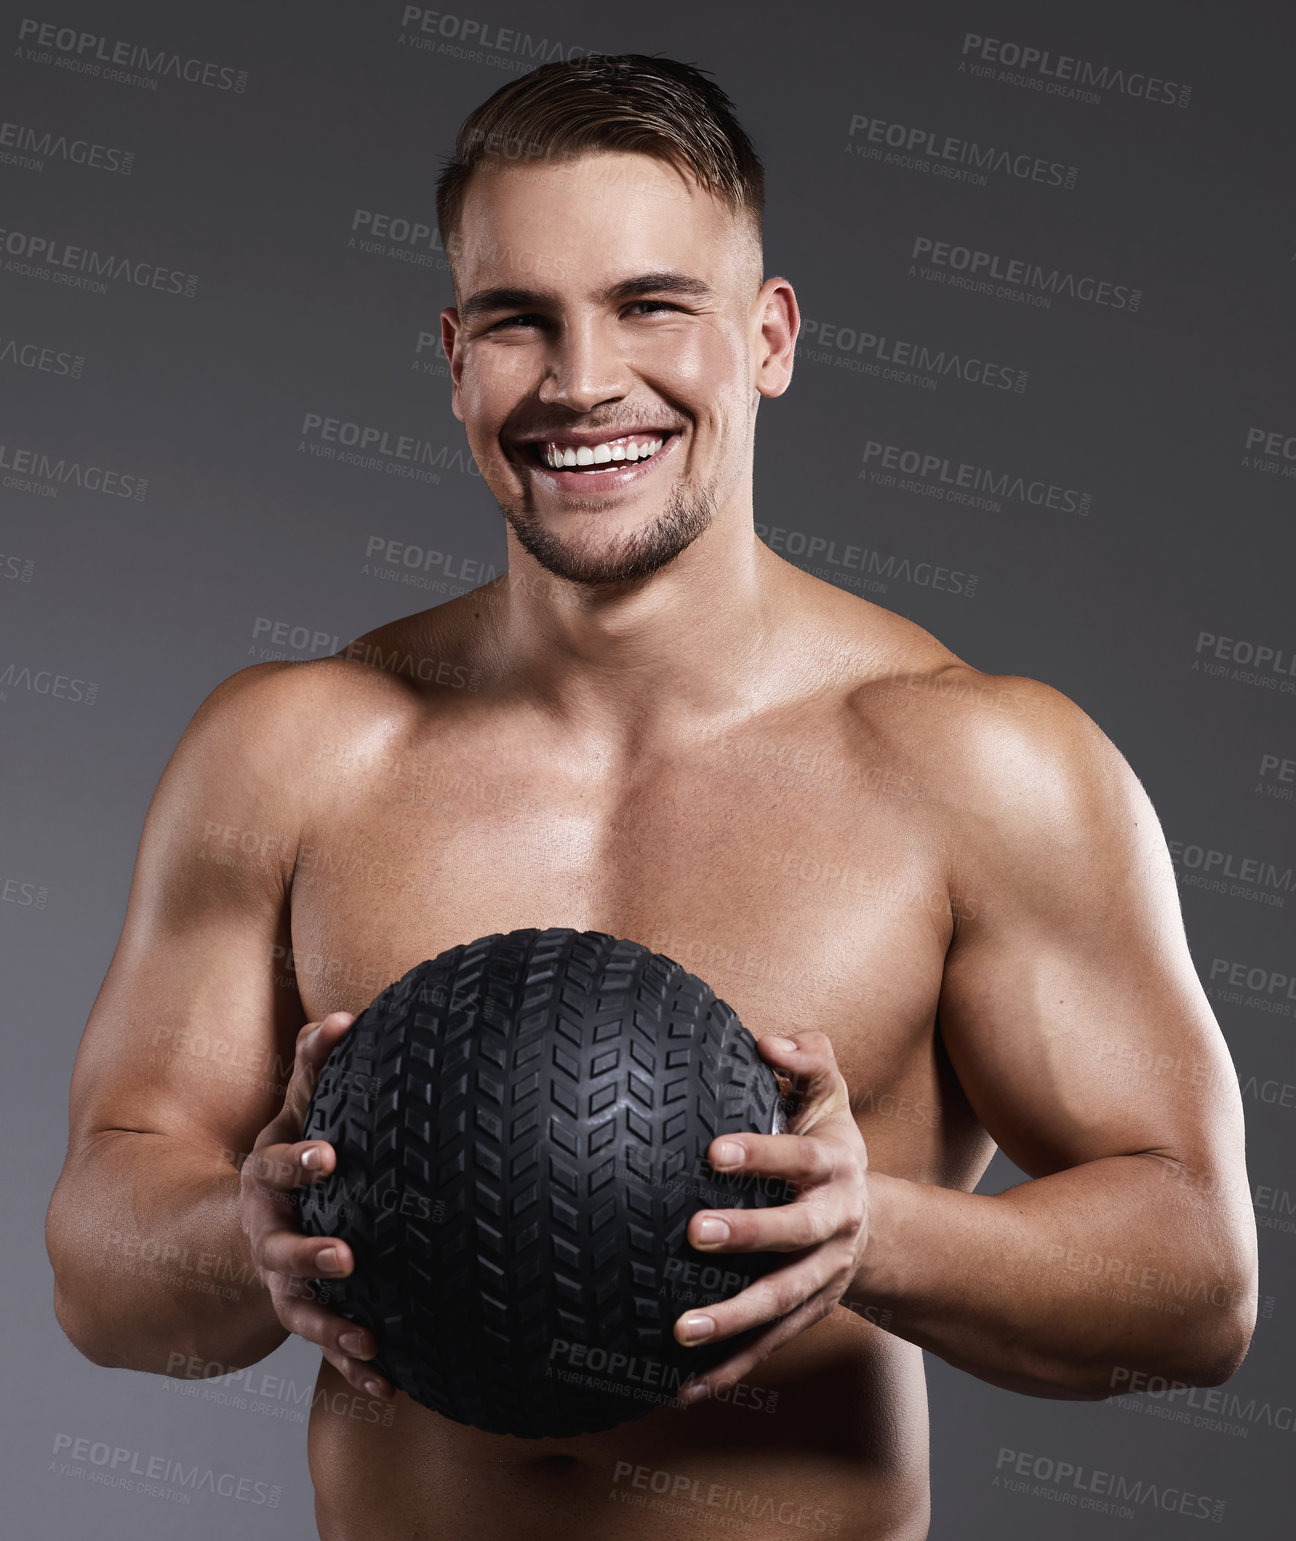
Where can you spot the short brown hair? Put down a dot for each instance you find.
(630, 103)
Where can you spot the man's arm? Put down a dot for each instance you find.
(186, 1053)
(1079, 1031)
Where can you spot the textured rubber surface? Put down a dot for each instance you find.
(521, 1126)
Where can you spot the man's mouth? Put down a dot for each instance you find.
(600, 457)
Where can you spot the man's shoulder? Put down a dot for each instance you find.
(375, 670)
(270, 700)
(273, 716)
(996, 744)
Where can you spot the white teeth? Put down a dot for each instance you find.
(600, 454)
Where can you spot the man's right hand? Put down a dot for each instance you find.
(287, 1259)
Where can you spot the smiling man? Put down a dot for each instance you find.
(940, 899)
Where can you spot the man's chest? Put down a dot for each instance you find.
(803, 888)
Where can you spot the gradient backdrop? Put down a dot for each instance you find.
(1043, 406)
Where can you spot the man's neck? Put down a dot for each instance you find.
(694, 644)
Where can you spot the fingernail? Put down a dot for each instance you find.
(727, 1154)
(353, 1343)
(712, 1229)
(374, 1388)
(698, 1327)
(311, 1158)
(695, 1391)
(782, 1045)
(327, 1260)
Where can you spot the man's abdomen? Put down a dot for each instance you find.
(828, 1437)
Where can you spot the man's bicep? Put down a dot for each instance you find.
(1070, 1007)
(192, 1030)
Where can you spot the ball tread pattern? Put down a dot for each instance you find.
(546, 1097)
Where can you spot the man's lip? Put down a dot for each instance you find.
(590, 436)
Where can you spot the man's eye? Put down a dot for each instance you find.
(531, 318)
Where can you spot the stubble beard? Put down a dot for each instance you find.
(637, 554)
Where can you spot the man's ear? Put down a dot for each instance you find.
(779, 319)
(454, 355)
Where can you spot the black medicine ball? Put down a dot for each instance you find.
(521, 1127)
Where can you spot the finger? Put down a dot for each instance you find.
(315, 1042)
(787, 1228)
(777, 1294)
(363, 1377)
(275, 1170)
(729, 1372)
(810, 1063)
(346, 1345)
(284, 1249)
(266, 1212)
(791, 1156)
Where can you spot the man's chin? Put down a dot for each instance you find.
(595, 564)
(601, 559)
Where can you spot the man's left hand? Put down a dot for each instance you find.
(824, 1230)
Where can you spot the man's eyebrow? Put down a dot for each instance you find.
(666, 282)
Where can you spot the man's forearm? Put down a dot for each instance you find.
(1063, 1286)
(152, 1269)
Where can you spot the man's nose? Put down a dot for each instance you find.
(587, 366)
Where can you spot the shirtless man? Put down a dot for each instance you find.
(940, 898)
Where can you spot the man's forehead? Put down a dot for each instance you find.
(593, 221)
(599, 174)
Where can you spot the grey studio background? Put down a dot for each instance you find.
(1098, 323)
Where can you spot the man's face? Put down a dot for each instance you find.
(634, 317)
